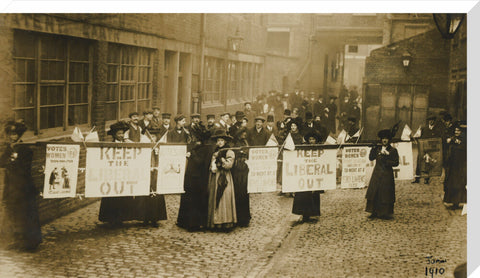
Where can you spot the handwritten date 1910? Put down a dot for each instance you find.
(435, 267)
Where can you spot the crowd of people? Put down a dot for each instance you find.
(215, 182)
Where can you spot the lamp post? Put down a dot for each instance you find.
(448, 24)
(406, 60)
(233, 44)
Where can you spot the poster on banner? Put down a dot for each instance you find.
(309, 170)
(404, 170)
(354, 164)
(430, 152)
(116, 171)
(61, 170)
(171, 169)
(262, 174)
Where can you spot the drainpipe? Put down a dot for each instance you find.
(197, 100)
(311, 40)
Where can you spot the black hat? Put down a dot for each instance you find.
(239, 115)
(179, 117)
(287, 112)
(224, 113)
(15, 127)
(312, 134)
(269, 118)
(431, 117)
(239, 132)
(166, 115)
(385, 133)
(117, 126)
(308, 115)
(221, 133)
(132, 114)
(447, 117)
(352, 119)
(201, 133)
(147, 112)
(195, 115)
(247, 102)
(260, 118)
(209, 116)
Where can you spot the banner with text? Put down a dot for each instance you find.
(430, 152)
(117, 171)
(262, 175)
(354, 164)
(61, 171)
(309, 170)
(171, 169)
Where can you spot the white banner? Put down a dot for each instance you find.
(61, 171)
(262, 175)
(309, 170)
(171, 169)
(404, 171)
(117, 171)
(354, 164)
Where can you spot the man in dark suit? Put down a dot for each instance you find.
(165, 124)
(258, 135)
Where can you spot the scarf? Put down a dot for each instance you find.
(222, 177)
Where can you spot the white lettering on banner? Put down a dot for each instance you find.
(117, 171)
(354, 163)
(171, 169)
(309, 170)
(262, 174)
(61, 171)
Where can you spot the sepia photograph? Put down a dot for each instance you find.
(234, 144)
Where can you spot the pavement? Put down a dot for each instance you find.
(343, 243)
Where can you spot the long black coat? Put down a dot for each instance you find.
(19, 197)
(381, 190)
(240, 183)
(456, 172)
(193, 212)
(255, 138)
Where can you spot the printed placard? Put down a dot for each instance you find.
(171, 169)
(262, 175)
(309, 170)
(61, 171)
(117, 171)
(354, 164)
(430, 152)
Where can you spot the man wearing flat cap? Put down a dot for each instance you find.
(179, 134)
(249, 113)
(194, 124)
(156, 119)
(352, 130)
(239, 115)
(146, 122)
(134, 131)
(223, 123)
(165, 124)
(258, 135)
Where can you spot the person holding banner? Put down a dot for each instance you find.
(258, 135)
(179, 134)
(381, 190)
(222, 213)
(307, 203)
(295, 133)
(456, 171)
(240, 179)
(193, 211)
(22, 222)
(432, 130)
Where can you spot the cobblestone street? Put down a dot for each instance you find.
(343, 243)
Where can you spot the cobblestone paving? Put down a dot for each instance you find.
(343, 243)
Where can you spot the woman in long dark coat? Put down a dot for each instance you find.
(456, 170)
(19, 195)
(240, 179)
(193, 212)
(307, 203)
(381, 190)
(115, 210)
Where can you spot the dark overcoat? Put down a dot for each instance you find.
(193, 212)
(240, 183)
(381, 190)
(456, 172)
(255, 138)
(19, 196)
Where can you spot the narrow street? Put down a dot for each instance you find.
(343, 243)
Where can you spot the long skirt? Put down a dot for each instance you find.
(117, 209)
(224, 215)
(378, 208)
(306, 203)
(242, 198)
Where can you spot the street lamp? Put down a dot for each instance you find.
(406, 60)
(234, 42)
(448, 24)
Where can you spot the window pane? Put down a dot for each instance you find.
(113, 54)
(27, 116)
(78, 72)
(20, 69)
(52, 70)
(51, 117)
(77, 114)
(51, 95)
(24, 95)
(24, 45)
(79, 50)
(112, 74)
(53, 48)
(78, 93)
(110, 111)
(112, 93)
(126, 108)
(30, 71)
(143, 105)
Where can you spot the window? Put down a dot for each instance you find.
(129, 81)
(353, 49)
(52, 84)
(212, 80)
(232, 81)
(278, 42)
(256, 80)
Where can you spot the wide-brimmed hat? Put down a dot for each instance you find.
(15, 127)
(221, 133)
(260, 118)
(179, 117)
(308, 115)
(116, 127)
(287, 112)
(224, 113)
(239, 115)
(385, 133)
(132, 114)
(431, 117)
(270, 118)
(312, 134)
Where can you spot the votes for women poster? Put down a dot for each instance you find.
(309, 170)
(262, 174)
(117, 170)
(354, 165)
(61, 170)
(430, 152)
(171, 169)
